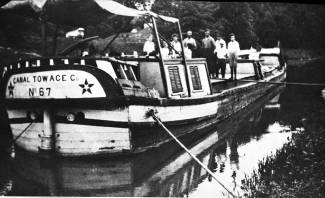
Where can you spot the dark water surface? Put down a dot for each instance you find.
(232, 150)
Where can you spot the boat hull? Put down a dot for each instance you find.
(125, 128)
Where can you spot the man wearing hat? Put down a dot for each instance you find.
(233, 49)
(208, 47)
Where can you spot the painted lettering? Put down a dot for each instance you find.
(41, 91)
(57, 78)
(45, 78)
(48, 89)
(73, 77)
(31, 91)
(21, 79)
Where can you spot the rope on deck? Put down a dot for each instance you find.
(151, 113)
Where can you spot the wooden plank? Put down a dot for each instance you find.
(173, 113)
(87, 151)
(17, 113)
(92, 145)
(33, 131)
(119, 114)
(84, 129)
(92, 136)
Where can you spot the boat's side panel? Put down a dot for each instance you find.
(98, 132)
(172, 113)
(75, 139)
(30, 137)
(127, 128)
(189, 118)
(116, 114)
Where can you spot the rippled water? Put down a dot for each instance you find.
(232, 150)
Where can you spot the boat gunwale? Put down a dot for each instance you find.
(122, 101)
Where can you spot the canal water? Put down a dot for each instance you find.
(232, 150)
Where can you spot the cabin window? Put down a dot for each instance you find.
(175, 79)
(196, 81)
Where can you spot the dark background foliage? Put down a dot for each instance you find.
(295, 25)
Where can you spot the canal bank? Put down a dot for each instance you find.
(296, 170)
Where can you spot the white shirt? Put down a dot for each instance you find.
(177, 46)
(149, 47)
(191, 41)
(221, 52)
(233, 47)
(187, 53)
(164, 52)
(218, 42)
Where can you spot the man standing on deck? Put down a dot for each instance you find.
(208, 46)
(190, 42)
(218, 49)
(233, 49)
(177, 46)
(219, 40)
(255, 55)
(149, 47)
(221, 55)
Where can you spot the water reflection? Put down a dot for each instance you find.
(232, 150)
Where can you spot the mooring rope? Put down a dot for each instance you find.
(151, 113)
(22, 132)
(283, 83)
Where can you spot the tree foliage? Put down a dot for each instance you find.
(295, 25)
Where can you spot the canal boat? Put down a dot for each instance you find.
(172, 174)
(84, 106)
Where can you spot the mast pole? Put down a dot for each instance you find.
(184, 61)
(161, 61)
(156, 35)
(43, 33)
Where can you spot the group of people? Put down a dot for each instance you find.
(215, 51)
(175, 48)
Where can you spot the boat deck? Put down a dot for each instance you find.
(220, 84)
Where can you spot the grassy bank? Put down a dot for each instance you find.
(297, 170)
